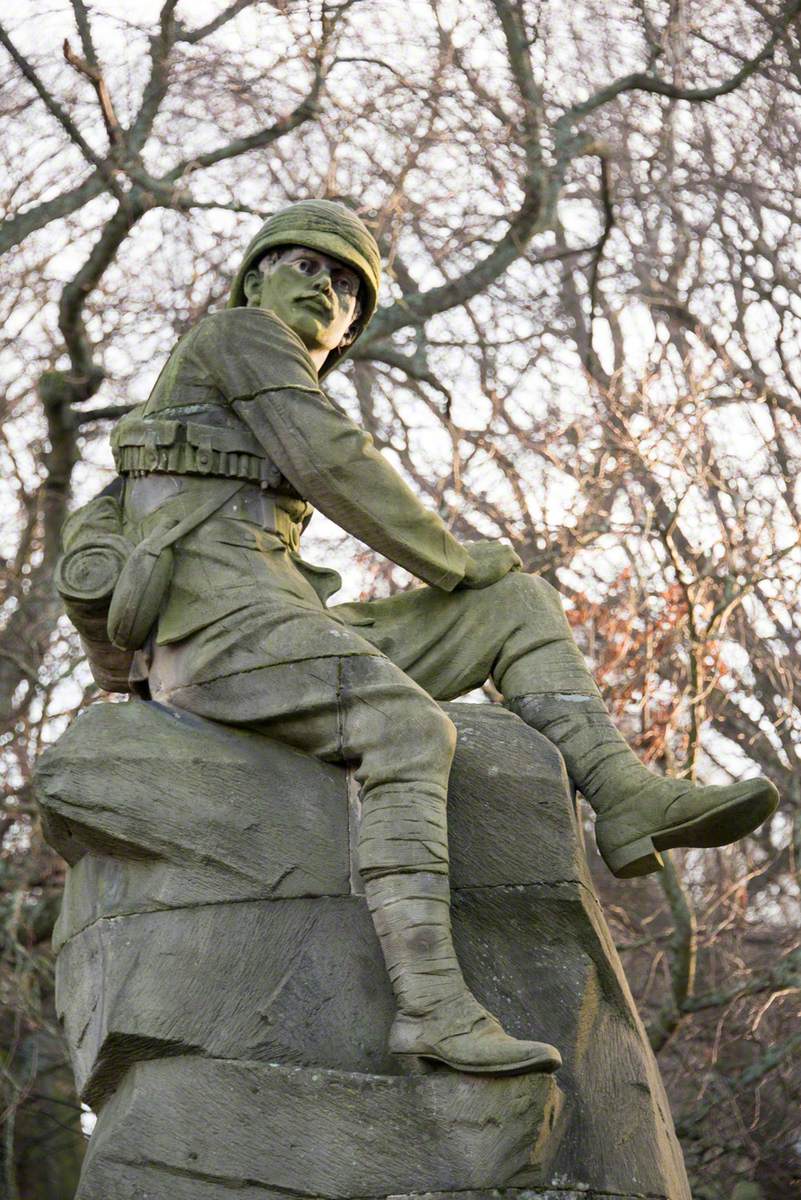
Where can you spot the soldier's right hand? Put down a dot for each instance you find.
(488, 562)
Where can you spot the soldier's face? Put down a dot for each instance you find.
(316, 295)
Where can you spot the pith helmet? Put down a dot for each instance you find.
(333, 229)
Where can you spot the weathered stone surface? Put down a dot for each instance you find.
(371, 1135)
(166, 952)
(286, 981)
(278, 981)
(509, 817)
(124, 1181)
(229, 814)
(546, 955)
(199, 813)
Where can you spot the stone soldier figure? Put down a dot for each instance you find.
(246, 635)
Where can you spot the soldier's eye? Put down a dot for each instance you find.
(306, 266)
(347, 285)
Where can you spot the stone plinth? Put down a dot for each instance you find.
(226, 1004)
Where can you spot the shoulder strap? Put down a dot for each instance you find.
(159, 541)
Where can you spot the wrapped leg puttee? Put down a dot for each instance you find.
(403, 855)
(403, 830)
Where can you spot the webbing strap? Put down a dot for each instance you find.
(159, 541)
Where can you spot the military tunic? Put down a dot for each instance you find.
(242, 377)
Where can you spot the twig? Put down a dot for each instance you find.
(192, 36)
(95, 77)
(639, 81)
(61, 115)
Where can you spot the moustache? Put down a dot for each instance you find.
(319, 298)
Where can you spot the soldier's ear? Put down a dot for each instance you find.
(252, 285)
(353, 329)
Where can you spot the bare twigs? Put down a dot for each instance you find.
(588, 345)
(61, 115)
(638, 81)
(94, 75)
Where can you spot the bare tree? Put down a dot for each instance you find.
(586, 346)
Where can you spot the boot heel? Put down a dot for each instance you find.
(413, 1064)
(637, 858)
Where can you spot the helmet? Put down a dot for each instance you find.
(331, 228)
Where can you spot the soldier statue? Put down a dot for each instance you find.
(246, 635)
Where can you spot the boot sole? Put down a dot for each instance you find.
(720, 827)
(425, 1063)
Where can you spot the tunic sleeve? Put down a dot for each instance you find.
(265, 373)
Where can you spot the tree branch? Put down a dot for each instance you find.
(109, 412)
(517, 46)
(193, 36)
(158, 82)
(540, 193)
(32, 621)
(97, 81)
(682, 950)
(307, 109)
(413, 365)
(785, 976)
(254, 141)
(85, 376)
(61, 115)
(639, 81)
(85, 33)
(592, 365)
(15, 229)
(89, 67)
(772, 1058)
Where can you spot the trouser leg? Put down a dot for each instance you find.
(402, 744)
(516, 633)
(364, 710)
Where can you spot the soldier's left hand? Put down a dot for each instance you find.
(489, 562)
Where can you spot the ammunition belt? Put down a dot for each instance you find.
(184, 459)
(144, 445)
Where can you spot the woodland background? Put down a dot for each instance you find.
(588, 344)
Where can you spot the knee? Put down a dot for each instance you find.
(440, 729)
(416, 733)
(432, 735)
(531, 587)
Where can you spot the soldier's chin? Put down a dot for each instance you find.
(310, 326)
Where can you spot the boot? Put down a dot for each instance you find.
(438, 1017)
(639, 813)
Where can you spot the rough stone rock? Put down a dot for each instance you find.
(201, 813)
(152, 787)
(437, 1131)
(213, 912)
(270, 981)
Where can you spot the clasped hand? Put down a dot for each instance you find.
(488, 562)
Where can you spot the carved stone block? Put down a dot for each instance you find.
(316, 1133)
(227, 1006)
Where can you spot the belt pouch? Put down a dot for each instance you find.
(139, 594)
(144, 581)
